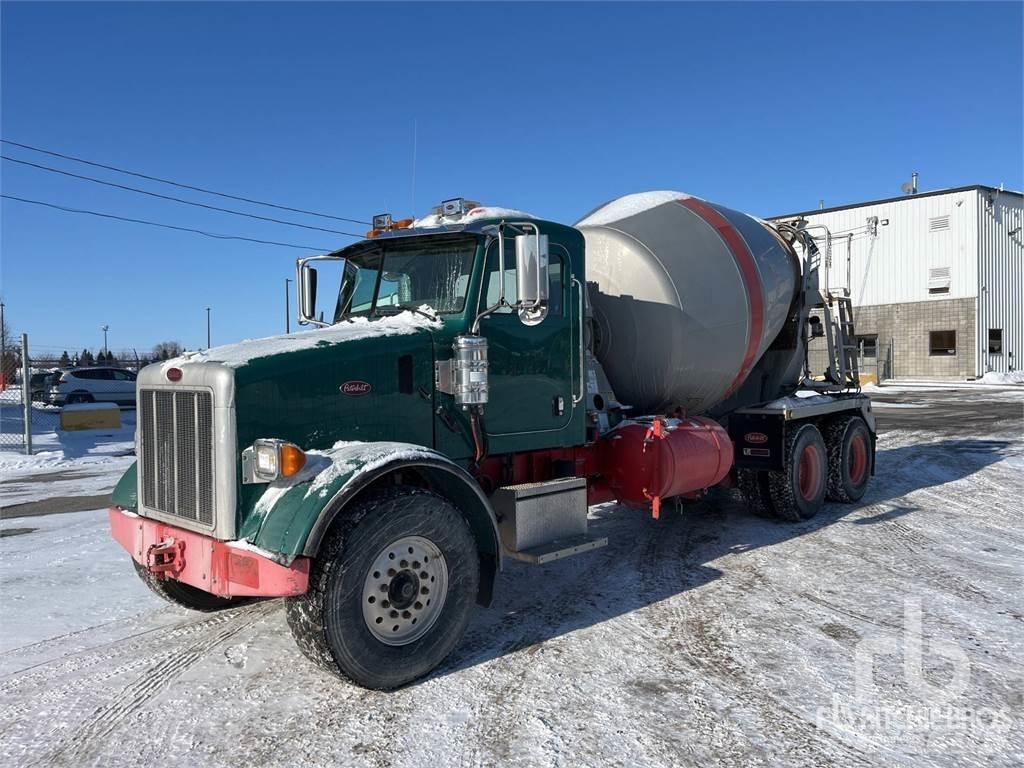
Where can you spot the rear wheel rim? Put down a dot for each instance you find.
(858, 459)
(404, 590)
(809, 478)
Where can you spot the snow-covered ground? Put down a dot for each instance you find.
(66, 463)
(706, 638)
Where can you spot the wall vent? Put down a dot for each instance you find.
(938, 280)
(938, 223)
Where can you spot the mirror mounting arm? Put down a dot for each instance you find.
(475, 328)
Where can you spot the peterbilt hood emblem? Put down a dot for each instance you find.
(355, 388)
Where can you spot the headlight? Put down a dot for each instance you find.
(269, 460)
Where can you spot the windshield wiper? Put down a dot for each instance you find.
(386, 310)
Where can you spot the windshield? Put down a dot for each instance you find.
(406, 275)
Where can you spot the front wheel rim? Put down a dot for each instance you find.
(404, 590)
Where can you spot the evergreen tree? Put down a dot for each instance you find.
(65, 361)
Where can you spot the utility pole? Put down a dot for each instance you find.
(3, 349)
(26, 393)
(207, 327)
(287, 307)
(105, 328)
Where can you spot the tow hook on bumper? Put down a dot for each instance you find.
(166, 558)
(224, 568)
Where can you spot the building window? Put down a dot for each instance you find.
(868, 346)
(942, 343)
(995, 341)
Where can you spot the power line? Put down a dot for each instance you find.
(215, 235)
(178, 183)
(174, 199)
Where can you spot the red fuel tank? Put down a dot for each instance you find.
(647, 460)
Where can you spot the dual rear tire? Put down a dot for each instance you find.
(834, 465)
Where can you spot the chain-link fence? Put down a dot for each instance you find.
(36, 387)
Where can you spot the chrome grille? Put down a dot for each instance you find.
(176, 441)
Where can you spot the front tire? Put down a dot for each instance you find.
(391, 590)
(185, 595)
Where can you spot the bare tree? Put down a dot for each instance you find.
(165, 350)
(10, 363)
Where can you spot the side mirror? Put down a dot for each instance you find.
(305, 287)
(307, 294)
(532, 277)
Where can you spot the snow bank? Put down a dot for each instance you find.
(630, 205)
(997, 377)
(97, 451)
(242, 353)
(476, 214)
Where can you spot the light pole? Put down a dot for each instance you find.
(207, 327)
(287, 307)
(3, 349)
(105, 328)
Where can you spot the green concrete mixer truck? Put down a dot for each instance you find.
(482, 377)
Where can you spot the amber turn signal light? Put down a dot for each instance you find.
(292, 460)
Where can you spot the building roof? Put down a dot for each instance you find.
(900, 198)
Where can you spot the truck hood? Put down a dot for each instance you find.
(244, 352)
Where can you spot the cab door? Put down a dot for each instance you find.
(533, 370)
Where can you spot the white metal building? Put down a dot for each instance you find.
(937, 279)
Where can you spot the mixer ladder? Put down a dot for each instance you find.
(842, 345)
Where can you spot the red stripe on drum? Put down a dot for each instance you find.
(751, 280)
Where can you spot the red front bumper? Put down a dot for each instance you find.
(213, 566)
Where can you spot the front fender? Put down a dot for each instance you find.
(126, 492)
(292, 517)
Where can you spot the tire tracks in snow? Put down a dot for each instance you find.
(671, 638)
(177, 650)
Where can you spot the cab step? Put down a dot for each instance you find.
(559, 548)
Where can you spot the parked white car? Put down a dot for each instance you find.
(98, 384)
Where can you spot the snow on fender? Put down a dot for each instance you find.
(291, 516)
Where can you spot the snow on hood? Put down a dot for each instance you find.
(476, 214)
(237, 355)
(630, 205)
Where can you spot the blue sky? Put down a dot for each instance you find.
(550, 108)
